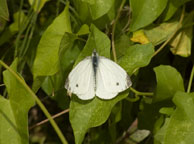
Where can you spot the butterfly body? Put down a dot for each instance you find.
(95, 61)
(97, 75)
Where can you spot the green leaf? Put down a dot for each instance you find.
(181, 2)
(166, 110)
(99, 8)
(160, 33)
(18, 17)
(89, 1)
(179, 128)
(170, 10)
(4, 13)
(185, 102)
(169, 81)
(68, 52)
(97, 40)
(122, 44)
(149, 114)
(83, 10)
(20, 102)
(37, 5)
(87, 114)
(144, 12)
(47, 60)
(83, 30)
(136, 56)
(8, 126)
(159, 136)
(181, 44)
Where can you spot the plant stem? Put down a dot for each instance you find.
(43, 108)
(113, 30)
(190, 80)
(46, 120)
(141, 93)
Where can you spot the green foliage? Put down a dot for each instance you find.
(8, 129)
(179, 127)
(14, 111)
(99, 8)
(4, 13)
(137, 56)
(144, 12)
(96, 112)
(43, 40)
(50, 42)
(165, 88)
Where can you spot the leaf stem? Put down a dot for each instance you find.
(46, 120)
(173, 34)
(190, 80)
(53, 123)
(141, 93)
(113, 30)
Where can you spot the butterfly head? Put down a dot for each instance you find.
(94, 53)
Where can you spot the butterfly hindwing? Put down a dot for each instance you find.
(81, 80)
(110, 79)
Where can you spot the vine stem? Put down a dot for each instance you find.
(190, 80)
(141, 93)
(173, 34)
(47, 114)
(113, 30)
(46, 120)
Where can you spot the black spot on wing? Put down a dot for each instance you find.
(77, 85)
(117, 83)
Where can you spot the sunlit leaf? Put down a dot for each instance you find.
(160, 33)
(19, 103)
(83, 30)
(100, 7)
(144, 12)
(139, 37)
(181, 44)
(46, 60)
(136, 56)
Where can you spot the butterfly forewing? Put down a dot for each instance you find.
(81, 80)
(110, 79)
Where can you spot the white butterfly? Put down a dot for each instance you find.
(97, 75)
